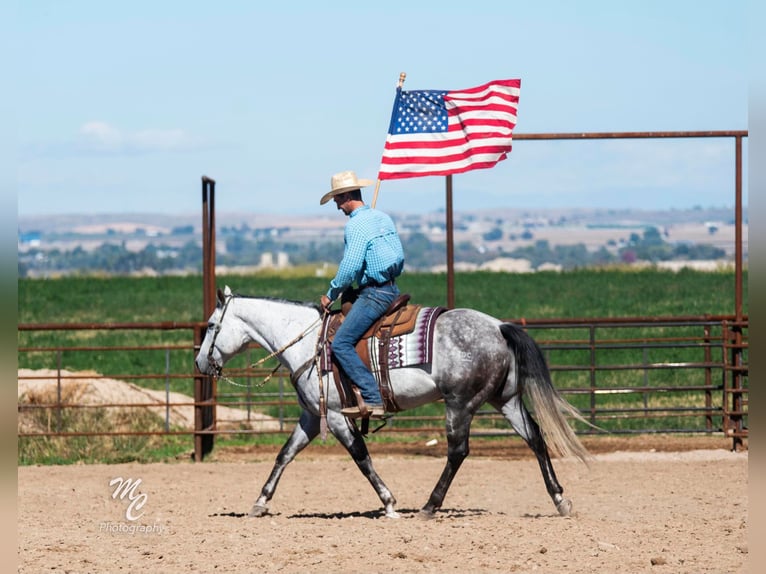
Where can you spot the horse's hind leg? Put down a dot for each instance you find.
(523, 423)
(305, 431)
(458, 429)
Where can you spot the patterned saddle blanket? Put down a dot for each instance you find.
(404, 338)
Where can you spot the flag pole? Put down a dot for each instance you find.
(450, 245)
(399, 85)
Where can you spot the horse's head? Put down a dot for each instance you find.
(225, 336)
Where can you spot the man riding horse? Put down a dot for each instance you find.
(372, 258)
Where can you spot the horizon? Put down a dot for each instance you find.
(575, 217)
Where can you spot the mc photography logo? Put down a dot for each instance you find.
(127, 491)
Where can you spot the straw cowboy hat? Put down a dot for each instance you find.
(343, 182)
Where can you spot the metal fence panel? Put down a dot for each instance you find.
(632, 375)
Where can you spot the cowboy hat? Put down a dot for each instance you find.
(343, 182)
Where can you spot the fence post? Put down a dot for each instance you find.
(204, 413)
(167, 389)
(204, 385)
(733, 391)
(58, 390)
(592, 343)
(645, 394)
(208, 246)
(708, 357)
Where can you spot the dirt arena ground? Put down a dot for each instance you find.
(661, 505)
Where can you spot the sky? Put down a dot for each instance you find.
(122, 107)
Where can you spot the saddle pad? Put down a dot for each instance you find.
(415, 348)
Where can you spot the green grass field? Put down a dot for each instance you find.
(576, 294)
(582, 293)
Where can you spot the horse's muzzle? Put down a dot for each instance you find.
(210, 368)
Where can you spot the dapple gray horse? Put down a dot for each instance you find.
(477, 359)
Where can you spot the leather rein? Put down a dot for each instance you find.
(294, 376)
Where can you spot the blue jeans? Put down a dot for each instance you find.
(369, 306)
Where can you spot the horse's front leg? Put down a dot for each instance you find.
(305, 431)
(349, 436)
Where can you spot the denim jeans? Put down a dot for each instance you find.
(369, 306)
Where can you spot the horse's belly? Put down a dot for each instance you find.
(413, 387)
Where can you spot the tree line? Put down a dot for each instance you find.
(421, 252)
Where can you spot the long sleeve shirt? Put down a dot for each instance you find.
(373, 252)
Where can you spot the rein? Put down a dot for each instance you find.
(266, 379)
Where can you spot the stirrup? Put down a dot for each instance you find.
(377, 412)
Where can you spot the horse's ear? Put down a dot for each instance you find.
(220, 296)
(227, 291)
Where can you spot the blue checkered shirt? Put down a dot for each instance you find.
(373, 252)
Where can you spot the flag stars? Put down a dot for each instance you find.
(421, 112)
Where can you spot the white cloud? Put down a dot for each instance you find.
(101, 133)
(98, 136)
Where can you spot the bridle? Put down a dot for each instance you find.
(210, 360)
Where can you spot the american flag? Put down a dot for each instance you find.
(439, 132)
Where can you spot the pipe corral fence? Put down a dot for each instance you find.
(627, 375)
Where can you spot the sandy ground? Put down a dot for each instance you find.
(672, 506)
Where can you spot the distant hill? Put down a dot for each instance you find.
(533, 239)
(69, 222)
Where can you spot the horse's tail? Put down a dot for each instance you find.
(550, 408)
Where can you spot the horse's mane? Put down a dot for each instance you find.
(281, 300)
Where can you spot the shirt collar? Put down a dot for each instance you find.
(359, 210)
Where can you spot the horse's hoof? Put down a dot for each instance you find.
(258, 511)
(426, 514)
(390, 511)
(564, 507)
